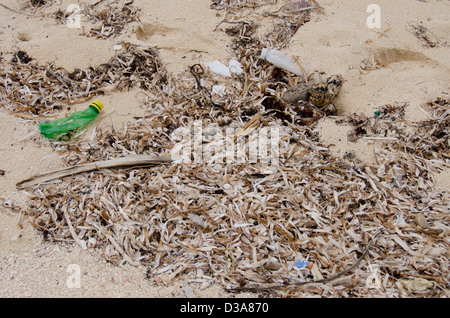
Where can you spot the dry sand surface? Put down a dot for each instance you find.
(335, 42)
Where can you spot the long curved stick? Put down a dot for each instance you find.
(124, 162)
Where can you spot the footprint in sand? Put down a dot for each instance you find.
(146, 30)
(386, 56)
(24, 37)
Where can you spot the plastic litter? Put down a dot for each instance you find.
(234, 67)
(218, 90)
(218, 68)
(280, 60)
(299, 264)
(60, 128)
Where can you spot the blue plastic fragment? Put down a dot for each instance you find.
(300, 264)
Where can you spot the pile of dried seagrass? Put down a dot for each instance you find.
(369, 230)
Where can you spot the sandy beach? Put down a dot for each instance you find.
(381, 66)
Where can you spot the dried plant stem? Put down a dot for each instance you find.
(73, 233)
(16, 11)
(125, 162)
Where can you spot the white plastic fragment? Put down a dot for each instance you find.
(221, 69)
(218, 90)
(218, 68)
(235, 67)
(280, 60)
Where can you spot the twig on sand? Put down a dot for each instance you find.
(125, 162)
(16, 11)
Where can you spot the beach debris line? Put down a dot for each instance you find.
(37, 3)
(299, 6)
(34, 3)
(229, 223)
(64, 128)
(108, 19)
(112, 19)
(44, 90)
(222, 223)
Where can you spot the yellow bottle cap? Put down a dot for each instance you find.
(97, 104)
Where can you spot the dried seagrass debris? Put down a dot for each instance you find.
(218, 224)
(290, 18)
(128, 215)
(108, 20)
(236, 4)
(240, 224)
(37, 3)
(112, 20)
(41, 90)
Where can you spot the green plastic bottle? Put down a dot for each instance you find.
(58, 128)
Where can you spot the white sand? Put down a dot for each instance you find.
(336, 42)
